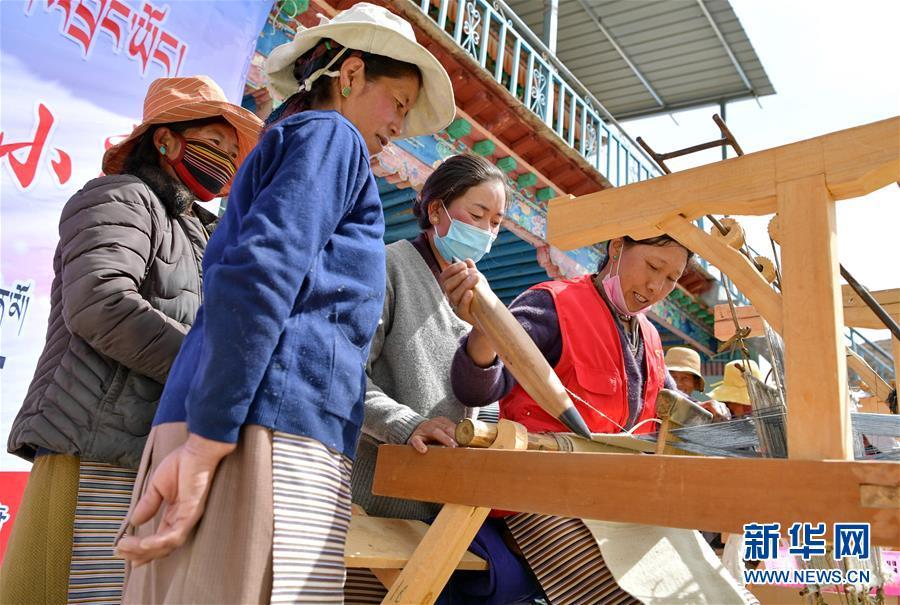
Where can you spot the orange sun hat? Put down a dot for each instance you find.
(171, 100)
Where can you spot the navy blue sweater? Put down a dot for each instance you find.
(293, 288)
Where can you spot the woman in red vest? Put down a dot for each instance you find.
(593, 332)
(591, 329)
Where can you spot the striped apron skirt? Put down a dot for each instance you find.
(273, 531)
(565, 559)
(61, 550)
(659, 565)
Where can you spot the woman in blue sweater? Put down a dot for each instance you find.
(252, 444)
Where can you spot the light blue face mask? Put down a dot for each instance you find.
(463, 241)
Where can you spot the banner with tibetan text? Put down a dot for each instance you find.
(73, 74)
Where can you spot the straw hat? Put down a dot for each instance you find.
(733, 386)
(171, 100)
(373, 29)
(683, 359)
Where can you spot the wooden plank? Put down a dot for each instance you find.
(879, 496)
(438, 553)
(858, 315)
(772, 594)
(873, 405)
(874, 383)
(732, 263)
(387, 577)
(854, 161)
(675, 491)
(747, 317)
(860, 160)
(815, 364)
(379, 543)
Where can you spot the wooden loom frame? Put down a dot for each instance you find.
(819, 482)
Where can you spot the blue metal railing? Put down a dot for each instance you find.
(508, 50)
(880, 360)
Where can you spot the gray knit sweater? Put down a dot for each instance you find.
(408, 372)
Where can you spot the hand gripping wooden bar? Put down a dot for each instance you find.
(524, 360)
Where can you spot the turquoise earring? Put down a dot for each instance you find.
(345, 91)
(162, 149)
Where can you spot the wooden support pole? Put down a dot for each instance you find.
(732, 263)
(672, 491)
(439, 552)
(815, 363)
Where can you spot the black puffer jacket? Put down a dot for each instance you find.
(125, 291)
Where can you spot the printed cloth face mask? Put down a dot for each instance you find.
(463, 241)
(202, 167)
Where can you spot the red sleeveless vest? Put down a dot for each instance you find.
(592, 364)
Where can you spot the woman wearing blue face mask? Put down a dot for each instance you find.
(408, 393)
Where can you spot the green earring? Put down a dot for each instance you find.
(162, 149)
(345, 91)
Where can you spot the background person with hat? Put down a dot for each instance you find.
(125, 291)
(683, 364)
(253, 442)
(732, 391)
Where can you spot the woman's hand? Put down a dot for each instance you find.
(182, 482)
(718, 409)
(434, 430)
(458, 282)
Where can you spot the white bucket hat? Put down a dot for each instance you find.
(374, 29)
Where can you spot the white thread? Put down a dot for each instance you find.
(596, 410)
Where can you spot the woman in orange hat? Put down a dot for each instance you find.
(253, 441)
(126, 290)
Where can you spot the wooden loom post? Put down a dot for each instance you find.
(896, 348)
(434, 560)
(815, 364)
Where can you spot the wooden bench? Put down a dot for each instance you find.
(385, 545)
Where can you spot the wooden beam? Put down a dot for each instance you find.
(437, 555)
(815, 365)
(673, 491)
(748, 317)
(380, 543)
(857, 313)
(873, 382)
(854, 161)
(873, 405)
(732, 263)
